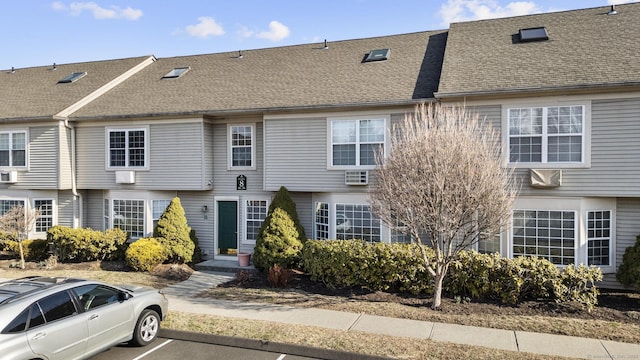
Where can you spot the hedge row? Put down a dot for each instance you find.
(86, 244)
(33, 250)
(399, 267)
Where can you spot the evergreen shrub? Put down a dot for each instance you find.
(174, 233)
(145, 254)
(629, 271)
(34, 250)
(277, 243)
(86, 244)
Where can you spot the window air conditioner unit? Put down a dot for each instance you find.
(546, 178)
(356, 177)
(8, 177)
(125, 177)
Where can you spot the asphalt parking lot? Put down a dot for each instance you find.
(170, 349)
(174, 344)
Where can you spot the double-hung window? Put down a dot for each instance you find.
(157, 208)
(321, 223)
(242, 149)
(554, 134)
(13, 148)
(599, 237)
(256, 212)
(45, 220)
(127, 148)
(356, 142)
(128, 215)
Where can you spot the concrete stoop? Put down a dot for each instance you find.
(230, 266)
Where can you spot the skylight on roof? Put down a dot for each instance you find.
(176, 72)
(534, 34)
(73, 77)
(377, 55)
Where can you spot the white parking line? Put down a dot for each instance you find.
(282, 356)
(152, 350)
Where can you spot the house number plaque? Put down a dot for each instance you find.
(241, 182)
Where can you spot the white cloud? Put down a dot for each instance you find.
(245, 32)
(465, 10)
(277, 32)
(206, 27)
(98, 12)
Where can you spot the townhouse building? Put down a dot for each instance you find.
(113, 145)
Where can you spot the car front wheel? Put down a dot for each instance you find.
(147, 328)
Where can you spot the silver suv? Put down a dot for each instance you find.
(52, 318)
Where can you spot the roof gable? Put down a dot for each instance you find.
(586, 49)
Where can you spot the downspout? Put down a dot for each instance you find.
(77, 198)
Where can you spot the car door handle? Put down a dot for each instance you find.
(94, 316)
(39, 336)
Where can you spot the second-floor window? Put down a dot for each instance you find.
(356, 142)
(242, 146)
(546, 134)
(127, 148)
(13, 148)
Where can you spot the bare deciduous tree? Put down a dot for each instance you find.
(444, 183)
(17, 223)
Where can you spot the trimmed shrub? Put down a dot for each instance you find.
(197, 251)
(87, 244)
(283, 200)
(578, 284)
(145, 254)
(173, 233)
(629, 271)
(34, 250)
(377, 266)
(277, 243)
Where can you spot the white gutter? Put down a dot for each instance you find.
(64, 116)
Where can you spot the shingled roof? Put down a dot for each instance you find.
(587, 50)
(34, 93)
(291, 77)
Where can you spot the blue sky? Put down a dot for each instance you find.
(41, 32)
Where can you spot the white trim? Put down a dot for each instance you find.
(216, 248)
(580, 205)
(230, 127)
(266, 199)
(54, 213)
(147, 155)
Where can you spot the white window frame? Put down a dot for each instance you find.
(154, 215)
(352, 220)
(544, 163)
(11, 165)
(144, 215)
(581, 206)
(231, 146)
(322, 227)
(576, 236)
(53, 216)
(246, 220)
(609, 238)
(358, 143)
(126, 157)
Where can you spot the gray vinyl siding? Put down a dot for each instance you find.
(176, 159)
(627, 229)
(93, 208)
(615, 164)
(297, 157)
(64, 165)
(202, 223)
(304, 208)
(224, 179)
(65, 208)
(42, 161)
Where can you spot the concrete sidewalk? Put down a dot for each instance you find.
(181, 298)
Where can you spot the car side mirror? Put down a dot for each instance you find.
(123, 296)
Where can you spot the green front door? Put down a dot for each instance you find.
(227, 227)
